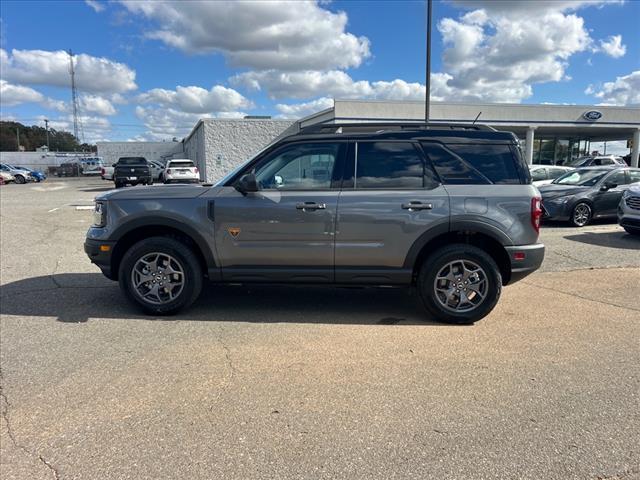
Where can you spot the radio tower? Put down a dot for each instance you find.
(74, 96)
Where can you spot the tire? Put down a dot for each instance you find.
(581, 214)
(119, 184)
(438, 300)
(180, 257)
(632, 231)
(20, 179)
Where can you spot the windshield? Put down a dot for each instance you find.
(583, 178)
(181, 163)
(579, 162)
(131, 160)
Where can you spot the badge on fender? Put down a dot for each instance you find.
(233, 231)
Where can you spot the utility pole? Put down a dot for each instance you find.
(427, 82)
(18, 135)
(46, 125)
(74, 96)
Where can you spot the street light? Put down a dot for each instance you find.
(428, 74)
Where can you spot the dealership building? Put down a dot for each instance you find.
(550, 134)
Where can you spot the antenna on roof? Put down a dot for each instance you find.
(474, 122)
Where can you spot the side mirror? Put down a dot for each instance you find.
(113, 164)
(608, 186)
(247, 183)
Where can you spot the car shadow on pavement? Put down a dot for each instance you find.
(619, 239)
(77, 297)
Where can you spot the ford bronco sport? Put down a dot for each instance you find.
(447, 209)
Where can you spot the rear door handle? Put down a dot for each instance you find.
(311, 206)
(415, 205)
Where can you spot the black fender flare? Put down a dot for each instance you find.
(444, 228)
(164, 221)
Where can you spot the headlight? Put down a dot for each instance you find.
(99, 215)
(558, 200)
(626, 193)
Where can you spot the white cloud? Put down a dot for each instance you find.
(497, 53)
(198, 100)
(525, 7)
(97, 6)
(612, 46)
(96, 104)
(296, 35)
(166, 123)
(11, 95)
(41, 67)
(299, 110)
(623, 90)
(93, 128)
(338, 84)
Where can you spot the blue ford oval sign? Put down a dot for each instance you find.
(592, 115)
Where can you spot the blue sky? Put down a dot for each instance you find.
(149, 70)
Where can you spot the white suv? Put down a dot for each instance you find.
(181, 170)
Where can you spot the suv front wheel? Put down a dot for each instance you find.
(459, 284)
(160, 274)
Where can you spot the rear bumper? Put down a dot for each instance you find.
(533, 255)
(98, 257)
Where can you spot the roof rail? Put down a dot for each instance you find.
(373, 127)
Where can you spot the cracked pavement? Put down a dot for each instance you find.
(275, 382)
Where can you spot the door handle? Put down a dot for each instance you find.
(311, 206)
(415, 205)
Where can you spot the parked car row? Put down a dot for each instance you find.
(138, 170)
(584, 194)
(11, 173)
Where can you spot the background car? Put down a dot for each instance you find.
(629, 210)
(21, 175)
(37, 175)
(586, 193)
(91, 166)
(181, 170)
(545, 174)
(7, 177)
(68, 169)
(596, 161)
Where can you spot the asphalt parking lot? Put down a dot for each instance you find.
(274, 382)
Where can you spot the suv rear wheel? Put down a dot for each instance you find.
(459, 284)
(161, 275)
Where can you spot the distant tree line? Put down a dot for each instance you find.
(35, 136)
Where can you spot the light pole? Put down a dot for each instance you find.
(46, 125)
(427, 82)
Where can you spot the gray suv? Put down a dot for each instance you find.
(447, 209)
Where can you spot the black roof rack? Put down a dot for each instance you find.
(372, 127)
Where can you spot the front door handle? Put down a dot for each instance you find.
(415, 205)
(311, 206)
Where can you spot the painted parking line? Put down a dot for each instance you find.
(49, 189)
(53, 209)
(84, 207)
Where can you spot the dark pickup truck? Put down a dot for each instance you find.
(132, 170)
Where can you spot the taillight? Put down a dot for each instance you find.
(197, 170)
(103, 171)
(536, 213)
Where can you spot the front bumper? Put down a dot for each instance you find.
(628, 217)
(552, 210)
(99, 257)
(525, 259)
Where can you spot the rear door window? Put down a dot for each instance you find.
(451, 168)
(389, 165)
(493, 161)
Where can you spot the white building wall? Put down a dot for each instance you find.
(160, 151)
(225, 144)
